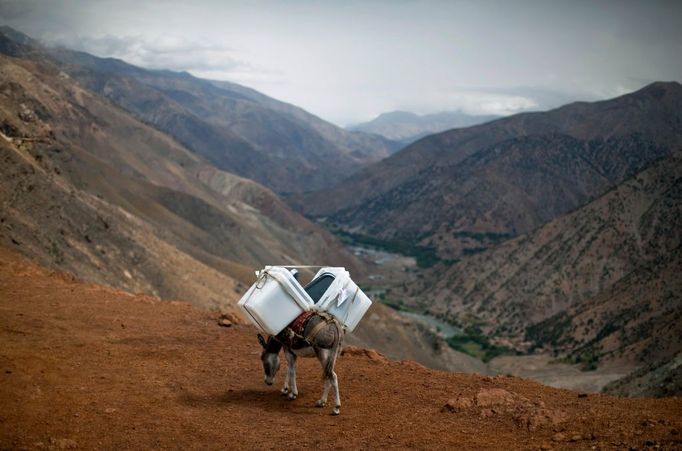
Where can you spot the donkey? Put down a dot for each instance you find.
(318, 335)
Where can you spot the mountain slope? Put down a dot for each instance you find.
(87, 367)
(599, 283)
(408, 127)
(234, 128)
(87, 156)
(463, 190)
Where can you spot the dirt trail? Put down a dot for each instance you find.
(83, 366)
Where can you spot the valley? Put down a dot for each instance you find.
(502, 180)
(389, 272)
(543, 245)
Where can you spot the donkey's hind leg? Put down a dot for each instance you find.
(337, 397)
(322, 356)
(290, 380)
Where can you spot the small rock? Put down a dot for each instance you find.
(576, 438)
(494, 397)
(231, 317)
(457, 404)
(109, 410)
(224, 322)
(558, 437)
(582, 395)
(545, 447)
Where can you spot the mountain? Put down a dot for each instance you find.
(597, 286)
(235, 128)
(467, 189)
(87, 188)
(128, 372)
(407, 127)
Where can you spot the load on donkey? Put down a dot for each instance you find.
(308, 321)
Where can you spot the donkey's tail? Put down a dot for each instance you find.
(334, 352)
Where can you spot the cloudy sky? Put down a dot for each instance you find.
(349, 60)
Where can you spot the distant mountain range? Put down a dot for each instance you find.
(235, 128)
(464, 190)
(406, 127)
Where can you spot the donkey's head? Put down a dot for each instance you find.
(269, 357)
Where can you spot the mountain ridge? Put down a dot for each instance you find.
(493, 178)
(407, 127)
(159, 197)
(596, 286)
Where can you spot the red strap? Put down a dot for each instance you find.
(299, 323)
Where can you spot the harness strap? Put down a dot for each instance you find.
(290, 333)
(316, 330)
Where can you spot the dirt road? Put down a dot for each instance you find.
(85, 367)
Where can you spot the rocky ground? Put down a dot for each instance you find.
(84, 366)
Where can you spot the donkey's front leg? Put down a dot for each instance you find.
(290, 385)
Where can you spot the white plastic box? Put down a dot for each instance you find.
(274, 300)
(343, 299)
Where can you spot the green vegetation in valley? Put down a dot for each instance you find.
(426, 256)
(474, 343)
(492, 237)
(550, 331)
(588, 361)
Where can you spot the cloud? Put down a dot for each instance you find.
(480, 102)
(160, 52)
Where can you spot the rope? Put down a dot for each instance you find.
(357, 288)
(301, 266)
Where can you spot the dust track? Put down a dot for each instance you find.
(84, 366)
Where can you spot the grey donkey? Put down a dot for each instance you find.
(321, 337)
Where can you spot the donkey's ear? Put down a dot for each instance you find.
(262, 342)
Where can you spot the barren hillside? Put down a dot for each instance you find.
(84, 366)
(87, 188)
(597, 287)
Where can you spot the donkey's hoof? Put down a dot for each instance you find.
(291, 396)
(320, 403)
(336, 410)
(284, 391)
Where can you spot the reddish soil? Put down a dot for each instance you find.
(84, 366)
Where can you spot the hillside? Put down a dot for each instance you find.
(467, 189)
(236, 129)
(407, 127)
(598, 285)
(85, 187)
(86, 366)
